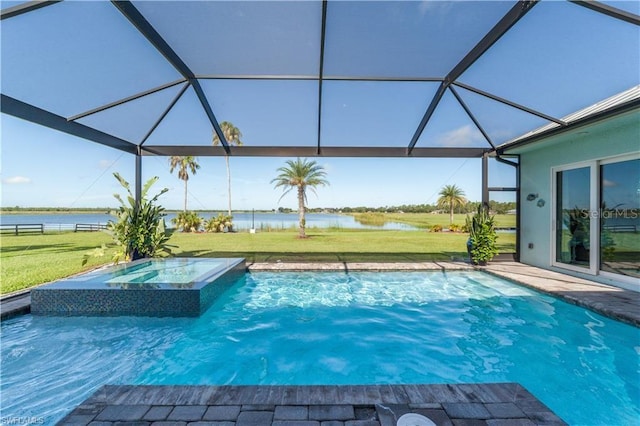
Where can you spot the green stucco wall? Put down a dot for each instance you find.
(617, 136)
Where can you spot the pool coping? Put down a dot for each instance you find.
(493, 404)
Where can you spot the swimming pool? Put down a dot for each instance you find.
(356, 328)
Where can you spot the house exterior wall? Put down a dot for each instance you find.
(615, 137)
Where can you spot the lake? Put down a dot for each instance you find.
(241, 221)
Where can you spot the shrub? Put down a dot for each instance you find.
(455, 227)
(436, 228)
(221, 223)
(140, 229)
(482, 245)
(187, 221)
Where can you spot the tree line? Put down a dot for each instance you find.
(470, 207)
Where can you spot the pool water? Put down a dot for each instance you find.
(167, 273)
(175, 271)
(337, 328)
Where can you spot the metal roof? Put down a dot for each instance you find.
(623, 101)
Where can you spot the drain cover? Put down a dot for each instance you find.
(413, 419)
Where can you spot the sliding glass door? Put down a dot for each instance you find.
(620, 217)
(573, 218)
(597, 217)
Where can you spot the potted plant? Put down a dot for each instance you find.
(139, 230)
(481, 244)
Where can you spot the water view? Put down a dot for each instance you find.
(241, 221)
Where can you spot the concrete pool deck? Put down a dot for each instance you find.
(489, 404)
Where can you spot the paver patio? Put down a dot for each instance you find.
(490, 404)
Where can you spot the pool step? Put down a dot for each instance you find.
(14, 305)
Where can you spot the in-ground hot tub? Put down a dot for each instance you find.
(146, 287)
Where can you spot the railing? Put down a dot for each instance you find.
(89, 227)
(22, 227)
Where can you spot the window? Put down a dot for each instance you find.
(620, 217)
(573, 219)
(597, 217)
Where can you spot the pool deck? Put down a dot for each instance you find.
(490, 404)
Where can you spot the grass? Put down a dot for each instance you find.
(28, 260)
(427, 220)
(330, 245)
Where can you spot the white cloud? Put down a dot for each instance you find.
(462, 136)
(104, 164)
(429, 6)
(609, 183)
(16, 180)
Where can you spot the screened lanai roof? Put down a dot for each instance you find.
(313, 78)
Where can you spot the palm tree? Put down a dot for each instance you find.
(184, 164)
(232, 134)
(451, 196)
(300, 174)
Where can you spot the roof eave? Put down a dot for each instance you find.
(585, 121)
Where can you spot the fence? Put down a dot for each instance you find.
(19, 228)
(22, 228)
(89, 227)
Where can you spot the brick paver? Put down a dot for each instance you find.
(123, 413)
(331, 412)
(190, 413)
(254, 418)
(472, 404)
(222, 412)
(289, 412)
(158, 413)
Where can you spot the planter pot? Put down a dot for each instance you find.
(135, 255)
(469, 248)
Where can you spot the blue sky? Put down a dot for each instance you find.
(68, 172)
(564, 68)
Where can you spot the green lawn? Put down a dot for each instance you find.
(28, 260)
(427, 220)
